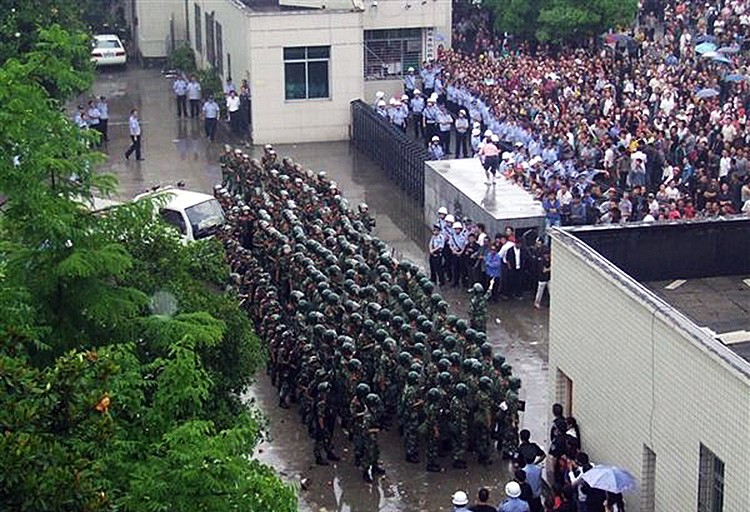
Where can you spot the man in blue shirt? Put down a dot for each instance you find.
(194, 96)
(513, 503)
(457, 243)
(180, 90)
(417, 107)
(534, 479)
(103, 108)
(437, 242)
(211, 115)
(410, 82)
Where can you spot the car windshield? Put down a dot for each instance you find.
(205, 217)
(107, 44)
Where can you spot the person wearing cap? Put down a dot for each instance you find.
(457, 243)
(378, 98)
(381, 109)
(447, 253)
(428, 78)
(210, 117)
(437, 244)
(410, 83)
(398, 115)
(429, 119)
(435, 149)
(416, 105)
(445, 123)
(513, 503)
(462, 132)
(460, 501)
(476, 141)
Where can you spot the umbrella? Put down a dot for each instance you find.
(711, 55)
(734, 78)
(609, 478)
(722, 59)
(705, 47)
(703, 38)
(707, 93)
(728, 49)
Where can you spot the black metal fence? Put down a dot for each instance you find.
(401, 157)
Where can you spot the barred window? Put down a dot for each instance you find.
(306, 72)
(198, 29)
(220, 50)
(389, 53)
(710, 482)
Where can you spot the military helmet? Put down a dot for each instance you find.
(467, 364)
(433, 395)
(362, 390)
(444, 378)
(412, 377)
(485, 383)
(403, 297)
(372, 400)
(477, 288)
(514, 383)
(381, 335)
(323, 387)
(404, 357)
(506, 370)
(461, 325)
(497, 361)
(355, 318)
(486, 349)
(451, 320)
(396, 290)
(348, 348)
(369, 325)
(397, 321)
(414, 314)
(461, 390)
(384, 315)
(408, 305)
(436, 354)
(416, 367)
(426, 326)
(443, 364)
(329, 335)
(442, 306)
(355, 365)
(435, 298)
(419, 338)
(471, 335)
(449, 342)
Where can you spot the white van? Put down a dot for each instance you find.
(194, 214)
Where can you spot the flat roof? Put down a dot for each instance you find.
(720, 304)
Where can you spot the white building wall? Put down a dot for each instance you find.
(277, 120)
(153, 25)
(234, 19)
(637, 379)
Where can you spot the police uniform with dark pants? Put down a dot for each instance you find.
(437, 244)
(211, 113)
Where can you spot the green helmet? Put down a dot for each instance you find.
(443, 364)
(444, 378)
(435, 298)
(485, 383)
(397, 321)
(412, 378)
(471, 335)
(420, 338)
(323, 387)
(477, 289)
(355, 365)
(396, 290)
(384, 315)
(442, 306)
(329, 336)
(486, 349)
(404, 357)
(426, 326)
(413, 314)
(362, 390)
(436, 354)
(461, 325)
(506, 370)
(433, 395)
(418, 349)
(381, 335)
(461, 390)
(449, 342)
(407, 305)
(514, 383)
(416, 367)
(497, 361)
(451, 320)
(372, 400)
(369, 325)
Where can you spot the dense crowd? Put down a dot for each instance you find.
(651, 125)
(355, 338)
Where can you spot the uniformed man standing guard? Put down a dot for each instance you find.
(417, 107)
(211, 117)
(410, 82)
(180, 90)
(437, 243)
(134, 126)
(429, 119)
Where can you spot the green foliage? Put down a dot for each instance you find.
(561, 20)
(121, 359)
(183, 58)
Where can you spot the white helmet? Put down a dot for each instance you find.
(512, 489)
(449, 218)
(435, 138)
(417, 91)
(488, 133)
(410, 70)
(457, 225)
(404, 97)
(381, 103)
(475, 132)
(443, 210)
(495, 138)
(380, 94)
(392, 101)
(460, 499)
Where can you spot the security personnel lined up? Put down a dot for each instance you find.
(211, 116)
(437, 244)
(435, 149)
(180, 90)
(417, 106)
(445, 123)
(462, 132)
(457, 243)
(429, 119)
(410, 83)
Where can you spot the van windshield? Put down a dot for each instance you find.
(205, 217)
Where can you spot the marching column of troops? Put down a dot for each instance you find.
(358, 340)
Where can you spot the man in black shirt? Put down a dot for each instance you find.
(531, 452)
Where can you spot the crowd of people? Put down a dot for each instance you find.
(648, 125)
(358, 340)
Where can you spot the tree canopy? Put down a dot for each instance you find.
(121, 358)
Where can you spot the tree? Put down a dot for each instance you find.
(518, 17)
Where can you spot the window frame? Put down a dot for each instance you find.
(198, 28)
(711, 479)
(385, 37)
(306, 60)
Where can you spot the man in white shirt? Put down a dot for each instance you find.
(233, 107)
(180, 90)
(194, 97)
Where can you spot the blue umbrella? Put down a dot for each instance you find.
(722, 59)
(703, 38)
(734, 78)
(705, 47)
(707, 93)
(610, 479)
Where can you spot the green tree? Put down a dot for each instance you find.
(518, 17)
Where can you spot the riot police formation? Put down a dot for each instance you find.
(356, 340)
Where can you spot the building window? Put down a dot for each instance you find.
(710, 482)
(210, 41)
(306, 72)
(198, 30)
(648, 481)
(219, 50)
(564, 392)
(389, 53)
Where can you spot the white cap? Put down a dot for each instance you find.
(495, 138)
(519, 144)
(417, 91)
(381, 103)
(475, 132)
(460, 499)
(443, 210)
(434, 96)
(431, 100)
(404, 97)
(435, 138)
(457, 225)
(477, 124)
(410, 70)
(488, 133)
(392, 101)
(449, 218)
(512, 489)
(506, 156)
(380, 94)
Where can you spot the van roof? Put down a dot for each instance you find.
(179, 199)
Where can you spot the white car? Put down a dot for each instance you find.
(108, 50)
(194, 214)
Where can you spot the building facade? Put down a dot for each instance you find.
(653, 392)
(305, 60)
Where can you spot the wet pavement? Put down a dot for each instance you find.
(176, 150)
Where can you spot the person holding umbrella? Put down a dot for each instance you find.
(590, 499)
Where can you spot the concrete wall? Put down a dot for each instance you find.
(639, 378)
(277, 120)
(152, 29)
(234, 19)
